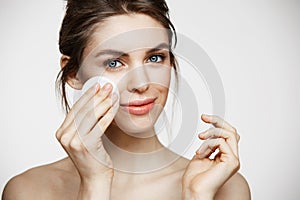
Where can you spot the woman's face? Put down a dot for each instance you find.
(132, 51)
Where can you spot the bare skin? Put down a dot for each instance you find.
(60, 180)
(80, 176)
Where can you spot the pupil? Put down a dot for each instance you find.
(112, 64)
(153, 59)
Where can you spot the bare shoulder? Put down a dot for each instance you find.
(236, 188)
(41, 182)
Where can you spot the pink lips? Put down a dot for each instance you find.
(139, 107)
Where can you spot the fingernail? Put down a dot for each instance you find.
(107, 87)
(97, 87)
(201, 135)
(206, 116)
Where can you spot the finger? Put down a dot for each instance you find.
(98, 130)
(66, 138)
(65, 135)
(87, 101)
(87, 111)
(93, 140)
(106, 120)
(71, 143)
(100, 96)
(93, 116)
(209, 146)
(81, 101)
(76, 145)
(86, 98)
(217, 122)
(230, 137)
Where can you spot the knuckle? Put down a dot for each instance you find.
(108, 102)
(232, 133)
(234, 130)
(235, 163)
(211, 129)
(76, 144)
(221, 140)
(90, 114)
(84, 109)
(219, 131)
(64, 140)
(105, 121)
(58, 134)
(101, 94)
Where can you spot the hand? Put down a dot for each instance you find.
(204, 175)
(80, 136)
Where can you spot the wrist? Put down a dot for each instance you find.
(95, 189)
(97, 178)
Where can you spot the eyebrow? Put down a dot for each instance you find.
(111, 52)
(162, 46)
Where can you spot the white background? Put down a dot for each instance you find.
(255, 46)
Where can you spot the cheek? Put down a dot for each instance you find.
(87, 71)
(115, 77)
(118, 79)
(163, 91)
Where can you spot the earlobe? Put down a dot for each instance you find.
(72, 81)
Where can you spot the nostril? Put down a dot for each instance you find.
(137, 79)
(140, 89)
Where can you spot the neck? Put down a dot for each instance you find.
(136, 155)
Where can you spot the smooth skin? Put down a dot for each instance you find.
(81, 176)
(77, 177)
(61, 180)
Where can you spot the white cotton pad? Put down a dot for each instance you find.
(102, 81)
(91, 82)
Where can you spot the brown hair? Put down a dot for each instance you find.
(79, 23)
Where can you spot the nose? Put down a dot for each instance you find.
(138, 80)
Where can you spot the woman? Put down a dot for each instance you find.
(128, 42)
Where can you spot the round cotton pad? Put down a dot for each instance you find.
(102, 81)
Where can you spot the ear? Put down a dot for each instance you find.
(72, 81)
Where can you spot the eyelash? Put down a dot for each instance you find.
(162, 57)
(107, 62)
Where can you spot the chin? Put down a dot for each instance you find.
(138, 125)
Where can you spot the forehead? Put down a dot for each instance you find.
(127, 33)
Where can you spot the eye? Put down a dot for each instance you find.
(156, 58)
(113, 63)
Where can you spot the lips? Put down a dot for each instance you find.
(139, 107)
